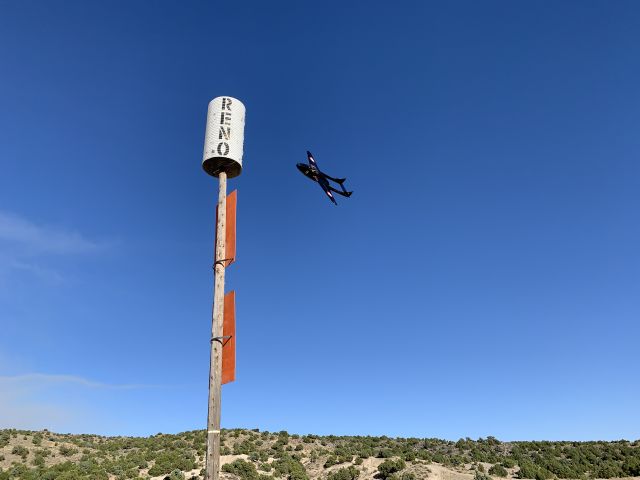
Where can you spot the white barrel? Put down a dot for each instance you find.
(224, 137)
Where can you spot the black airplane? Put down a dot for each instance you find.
(312, 171)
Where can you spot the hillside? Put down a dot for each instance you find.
(255, 455)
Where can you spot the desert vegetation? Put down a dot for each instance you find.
(255, 455)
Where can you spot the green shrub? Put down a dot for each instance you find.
(481, 475)
(403, 476)
(389, 467)
(168, 461)
(349, 473)
(176, 475)
(631, 466)
(20, 450)
(529, 470)
(608, 469)
(254, 456)
(66, 451)
(290, 468)
(244, 470)
(331, 461)
(409, 456)
(498, 470)
(345, 458)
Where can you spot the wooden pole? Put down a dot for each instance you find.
(212, 468)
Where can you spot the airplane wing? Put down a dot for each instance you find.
(312, 161)
(325, 186)
(337, 180)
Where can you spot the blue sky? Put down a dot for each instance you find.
(484, 278)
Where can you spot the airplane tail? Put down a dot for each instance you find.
(347, 194)
(337, 180)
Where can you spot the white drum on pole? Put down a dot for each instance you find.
(224, 137)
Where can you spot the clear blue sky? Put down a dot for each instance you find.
(484, 279)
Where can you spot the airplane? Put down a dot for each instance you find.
(312, 171)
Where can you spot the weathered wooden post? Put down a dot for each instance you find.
(222, 158)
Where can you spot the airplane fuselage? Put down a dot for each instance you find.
(309, 172)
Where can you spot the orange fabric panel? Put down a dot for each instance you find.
(229, 344)
(232, 201)
(230, 248)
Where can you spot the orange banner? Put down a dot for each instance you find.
(230, 238)
(229, 344)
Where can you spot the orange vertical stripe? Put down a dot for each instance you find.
(230, 237)
(229, 344)
(232, 200)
